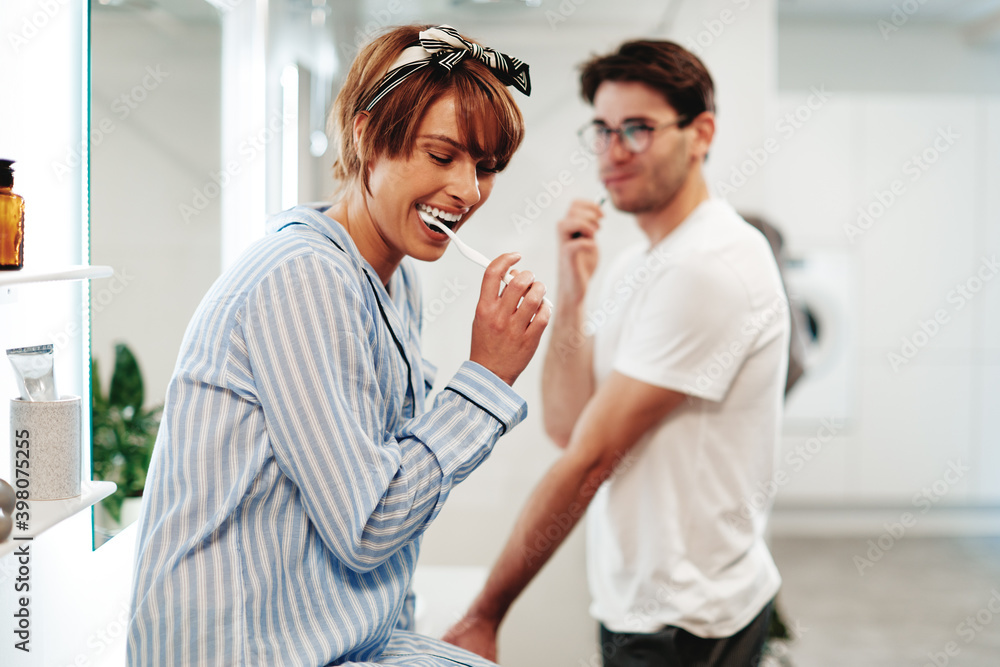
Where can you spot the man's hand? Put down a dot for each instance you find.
(473, 633)
(578, 253)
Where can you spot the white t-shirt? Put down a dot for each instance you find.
(675, 536)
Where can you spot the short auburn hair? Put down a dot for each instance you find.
(489, 122)
(666, 67)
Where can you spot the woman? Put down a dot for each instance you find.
(296, 467)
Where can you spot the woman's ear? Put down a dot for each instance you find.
(360, 121)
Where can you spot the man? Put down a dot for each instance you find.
(670, 412)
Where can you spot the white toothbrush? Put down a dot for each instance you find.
(466, 250)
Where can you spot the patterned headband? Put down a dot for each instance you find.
(445, 47)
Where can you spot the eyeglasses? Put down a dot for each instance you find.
(635, 136)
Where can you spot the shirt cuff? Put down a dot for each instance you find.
(482, 387)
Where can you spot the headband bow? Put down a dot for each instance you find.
(445, 47)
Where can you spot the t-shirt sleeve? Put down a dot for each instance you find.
(687, 331)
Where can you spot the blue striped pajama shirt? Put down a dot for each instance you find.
(296, 467)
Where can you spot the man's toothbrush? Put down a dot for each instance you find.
(600, 203)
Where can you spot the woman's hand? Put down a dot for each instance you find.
(577, 250)
(508, 325)
(476, 635)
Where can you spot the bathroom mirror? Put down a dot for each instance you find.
(154, 199)
(206, 115)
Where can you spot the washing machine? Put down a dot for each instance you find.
(822, 288)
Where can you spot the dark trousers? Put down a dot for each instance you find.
(674, 647)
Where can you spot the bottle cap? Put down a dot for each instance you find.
(6, 174)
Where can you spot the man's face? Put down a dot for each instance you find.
(643, 182)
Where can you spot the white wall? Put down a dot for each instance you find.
(913, 415)
(919, 57)
(156, 113)
(891, 99)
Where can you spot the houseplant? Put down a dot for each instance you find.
(123, 431)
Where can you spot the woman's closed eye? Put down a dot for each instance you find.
(489, 168)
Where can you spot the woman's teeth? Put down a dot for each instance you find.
(449, 219)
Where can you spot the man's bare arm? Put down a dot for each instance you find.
(621, 411)
(567, 376)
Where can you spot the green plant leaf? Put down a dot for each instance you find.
(777, 628)
(123, 431)
(113, 506)
(96, 394)
(126, 382)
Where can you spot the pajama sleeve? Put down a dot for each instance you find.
(368, 492)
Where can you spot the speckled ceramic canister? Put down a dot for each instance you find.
(52, 430)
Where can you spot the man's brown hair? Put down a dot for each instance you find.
(666, 67)
(489, 122)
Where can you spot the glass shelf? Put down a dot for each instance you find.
(78, 272)
(47, 513)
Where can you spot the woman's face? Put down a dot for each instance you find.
(439, 176)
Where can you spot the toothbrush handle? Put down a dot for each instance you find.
(481, 260)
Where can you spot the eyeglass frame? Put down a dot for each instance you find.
(619, 131)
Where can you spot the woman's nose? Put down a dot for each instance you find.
(464, 184)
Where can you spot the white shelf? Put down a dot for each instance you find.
(46, 513)
(78, 272)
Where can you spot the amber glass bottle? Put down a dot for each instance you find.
(11, 221)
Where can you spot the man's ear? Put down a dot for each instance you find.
(704, 131)
(360, 122)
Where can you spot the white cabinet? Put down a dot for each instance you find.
(901, 184)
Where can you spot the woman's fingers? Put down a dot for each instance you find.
(523, 297)
(508, 323)
(495, 272)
